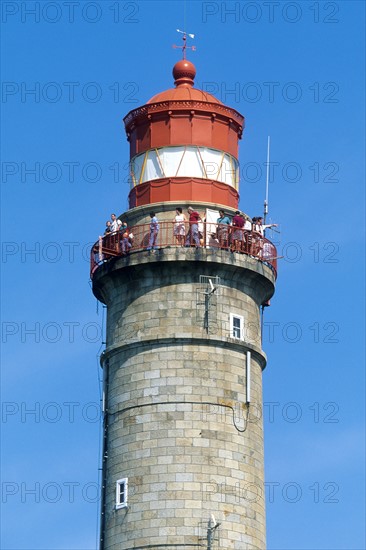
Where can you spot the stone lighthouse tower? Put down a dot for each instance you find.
(183, 437)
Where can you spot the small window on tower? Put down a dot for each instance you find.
(236, 326)
(121, 493)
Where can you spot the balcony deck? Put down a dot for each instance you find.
(251, 243)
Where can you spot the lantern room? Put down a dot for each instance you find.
(184, 146)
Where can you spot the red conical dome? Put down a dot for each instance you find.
(184, 72)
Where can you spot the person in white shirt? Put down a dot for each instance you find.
(258, 234)
(247, 229)
(116, 223)
(259, 227)
(179, 227)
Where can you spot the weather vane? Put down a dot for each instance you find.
(185, 47)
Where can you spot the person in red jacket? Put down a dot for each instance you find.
(193, 235)
(238, 233)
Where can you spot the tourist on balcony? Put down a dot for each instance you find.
(124, 239)
(125, 243)
(154, 231)
(116, 223)
(107, 227)
(223, 223)
(179, 227)
(193, 233)
(247, 234)
(237, 233)
(123, 227)
(259, 227)
(258, 234)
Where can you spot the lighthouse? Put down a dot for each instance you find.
(183, 461)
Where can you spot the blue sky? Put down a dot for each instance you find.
(295, 70)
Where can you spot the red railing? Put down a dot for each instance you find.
(210, 236)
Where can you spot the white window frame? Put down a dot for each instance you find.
(241, 319)
(121, 482)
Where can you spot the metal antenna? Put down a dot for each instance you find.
(212, 526)
(267, 182)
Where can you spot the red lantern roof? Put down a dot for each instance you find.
(184, 72)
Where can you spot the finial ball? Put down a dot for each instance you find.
(184, 72)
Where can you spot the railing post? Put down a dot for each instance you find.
(100, 250)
